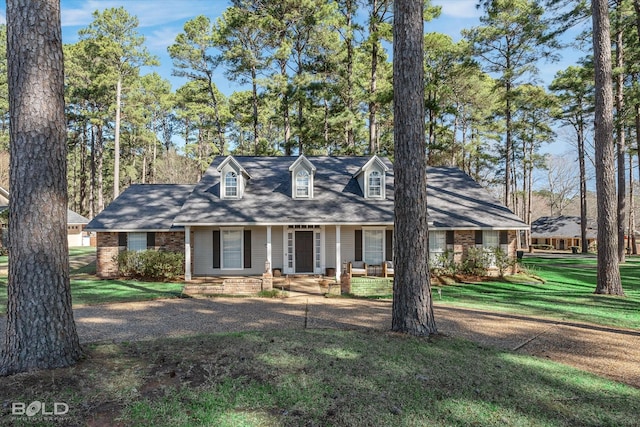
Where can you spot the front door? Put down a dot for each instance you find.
(304, 252)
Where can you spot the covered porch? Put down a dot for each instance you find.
(284, 250)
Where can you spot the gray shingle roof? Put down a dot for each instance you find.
(72, 217)
(267, 198)
(76, 218)
(150, 207)
(547, 227)
(455, 200)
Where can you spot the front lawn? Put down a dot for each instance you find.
(567, 293)
(87, 289)
(321, 378)
(94, 291)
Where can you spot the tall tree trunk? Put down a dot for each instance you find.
(431, 137)
(349, 7)
(632, 211)
(528, 217)
(73, 199)
(83, 171)
(608, 281)
(100, 166)
(216, 113)
(325, 123)
(412, 303)
(583, 188)
(154, 163)
(508, 148)
(256, 121)
(93, 178)
(300, 125)
(456, 120)
(373, 82)
(286, 120)
(116, 141)
(40, 331)
(620, 137)
(636, 109)
(143, 173)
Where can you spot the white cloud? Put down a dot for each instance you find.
(459, 8)
(149, 13)
(162, 38)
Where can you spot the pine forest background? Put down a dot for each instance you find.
(316, 79)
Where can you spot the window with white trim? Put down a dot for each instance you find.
(375, 184)
(231, 184)
(290, 250)
(137, 242)
(231, 248)
(490, 241)
(373, 246)
(437, 246)
(302, 184)
(318, 249)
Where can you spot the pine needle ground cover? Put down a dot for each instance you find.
(555, 287)
(320, 378)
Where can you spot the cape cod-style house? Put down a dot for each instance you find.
(295, 215)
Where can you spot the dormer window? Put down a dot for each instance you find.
(233, 179)
(302, 172)
(375, 184)
(371, 178)
(302, 184)
(231, 184)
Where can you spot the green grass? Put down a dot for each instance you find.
(81, 250)
(323, 378)
(567, 293)
(86, 289)
(93, 291)
(111, 291)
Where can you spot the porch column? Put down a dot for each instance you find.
(187, 253)
(338, 255)
(269, 260)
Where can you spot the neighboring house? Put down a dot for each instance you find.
(75, 222)
(75, 229)
(561, 232)
(304, 215)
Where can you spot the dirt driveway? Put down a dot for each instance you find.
(609, 352)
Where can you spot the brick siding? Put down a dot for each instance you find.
(107, 250)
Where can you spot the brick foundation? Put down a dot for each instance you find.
(231, 286)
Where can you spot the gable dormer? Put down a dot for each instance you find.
(372, 178)
(233, 179)
(302, 173)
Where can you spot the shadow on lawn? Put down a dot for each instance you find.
(543, 321)
(317, 377)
